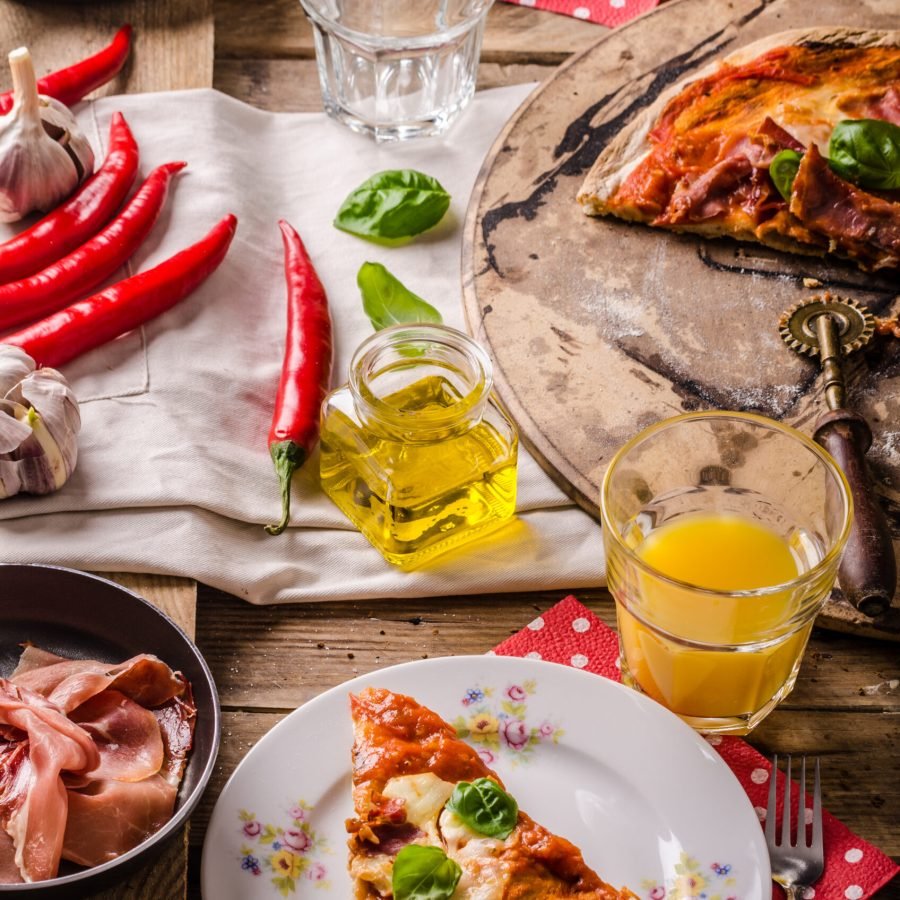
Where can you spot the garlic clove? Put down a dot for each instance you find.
(12, 432)
(58, 122)
(43, 154)
(48, 392)
(39, 425)
(15, 364)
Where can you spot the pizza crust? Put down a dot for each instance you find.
(631, 146)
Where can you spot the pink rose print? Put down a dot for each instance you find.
(252, 829)
(546, 729)
(317, 872)
(516, 693)
(658, 893)
(515, 733)
(487, 757)
(297, 839)
(298, 813)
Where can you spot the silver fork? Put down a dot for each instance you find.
(798, 865)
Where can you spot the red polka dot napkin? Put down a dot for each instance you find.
(571, 634)
(604, 12)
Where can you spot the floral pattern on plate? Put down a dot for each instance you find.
(691, 880)
(497, 722)
(289, 853)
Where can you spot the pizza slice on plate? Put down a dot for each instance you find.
(432, 821)
(792, 141)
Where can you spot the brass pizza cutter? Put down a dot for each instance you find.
(832, 328)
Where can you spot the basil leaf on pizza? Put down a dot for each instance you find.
(485, 807)
(783, 171)
(387, 301)
(393, 205)
(424, 873)
(867, 151)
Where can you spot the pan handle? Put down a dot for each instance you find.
(868, 569)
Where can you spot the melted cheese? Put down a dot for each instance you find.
(484, 876)
(424, 796)
(810, 115)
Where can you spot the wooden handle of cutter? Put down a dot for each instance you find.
(868, 570)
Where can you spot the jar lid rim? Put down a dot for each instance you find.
(407, 333)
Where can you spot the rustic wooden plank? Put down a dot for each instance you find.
(165, 876)
(278, 29)
(176, 597)
(517, 34)
(292, 85)
(173, 40)
(272, 658)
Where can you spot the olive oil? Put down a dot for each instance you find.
(423, 468)
(414, 449)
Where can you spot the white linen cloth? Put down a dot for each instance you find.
(174, 475)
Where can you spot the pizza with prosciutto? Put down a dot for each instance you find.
(792, 141)
(433, 821)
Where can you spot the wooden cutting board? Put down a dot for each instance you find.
(599, 328)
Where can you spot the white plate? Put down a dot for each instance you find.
(650, 803)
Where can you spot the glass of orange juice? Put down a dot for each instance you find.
(723, 534)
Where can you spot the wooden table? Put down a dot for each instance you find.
(267, 661)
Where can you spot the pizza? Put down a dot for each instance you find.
(433, 821)
(792, 141)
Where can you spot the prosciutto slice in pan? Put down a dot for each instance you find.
(91, 756)
(70, 682)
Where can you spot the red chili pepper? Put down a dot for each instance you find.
(305, 372)
(93, 262)
(124, 306)
(71, 84)
(81, 216)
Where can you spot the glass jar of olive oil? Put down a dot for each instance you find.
(414, 450)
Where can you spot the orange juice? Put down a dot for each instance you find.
(708, 652)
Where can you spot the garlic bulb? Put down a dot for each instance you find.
(39, 424)
(43, 154)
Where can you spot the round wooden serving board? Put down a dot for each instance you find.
(599, 328)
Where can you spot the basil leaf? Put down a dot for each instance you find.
(424, 873)
(783, 171)
(485, 807)
(387, 301)
(392, 205)
(867, 151)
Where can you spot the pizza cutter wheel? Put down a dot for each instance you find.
(831, 328)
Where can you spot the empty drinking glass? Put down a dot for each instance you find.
(397, 69)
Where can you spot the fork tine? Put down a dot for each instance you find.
(771, 813)
(817, 814)
(801, 806)
(786, 808)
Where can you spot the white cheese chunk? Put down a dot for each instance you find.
(424, 796)
(484, 876)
